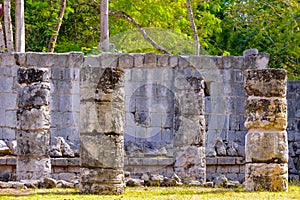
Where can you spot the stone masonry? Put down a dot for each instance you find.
(266, 121)
(147, 75)
(102, 129)
(33, 124)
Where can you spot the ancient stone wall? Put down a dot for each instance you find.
(293, 129)
(224, 109)
(64, 105)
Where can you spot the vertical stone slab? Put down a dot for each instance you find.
(102, 130)
(189, 141)
(266, 121)
(33, 124)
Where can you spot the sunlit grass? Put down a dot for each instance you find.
(164, 193)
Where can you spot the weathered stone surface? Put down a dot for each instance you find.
(33, 143)
(49, 182)
(263, 176)
(102, 150)
(190, 164)
(29, 167)
(220, 147)
(34, 95)
(266, 113)
(101, 181)
(12, 144)
(34, 119)
(266, 82)
(220, 181)
(4, 149)
(267, 147)
(31, 75)
(250, 52)
(61, 148)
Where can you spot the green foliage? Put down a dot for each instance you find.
(225, 27)
(269, 26)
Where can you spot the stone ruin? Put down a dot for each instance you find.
(157, 117)
(266, 121)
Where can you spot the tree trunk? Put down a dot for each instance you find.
(54, 36)
(20, 26)
(194, 28)
(124, 16)
(8, 26)
(2, 42)
(104, 37)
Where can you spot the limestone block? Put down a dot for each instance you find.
(32, 168)
(33, 119)
(138, 60)
(270, 177)
(150, 60)
(265, 82)
(102, 150)
(101, 181)
(109, 60)
(34, 96)
(267, 147)
(190, 164)
(33, 143)
(76, 60)
(31, 75)
(162, 60)
(126, 61)
(266, 113)
(250, 52)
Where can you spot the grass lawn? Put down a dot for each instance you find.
(164, 193)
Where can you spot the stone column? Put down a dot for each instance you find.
(266, 121)
(33, 124)
(102, 130)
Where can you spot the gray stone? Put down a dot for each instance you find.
(190, 164)
(250, 52)
(33, 143)
(34, 119)
(4, 149)
(32, 75)
(61, 148)
(267, 146)
(145, 177)
(134, 182)
(96, 181)
(64, 184)
(35, 95)
(220, 147)
(262, 176)
(12, 144)
(49, 182)
(220, 181)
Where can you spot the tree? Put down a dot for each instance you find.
(58, 25)
(104, 38)
(20, 26)
(2, 42)
(193, 25)
(8, 26)
(271, 26)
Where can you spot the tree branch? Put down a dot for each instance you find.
(57, 27)
(123, 15)
(194, 28)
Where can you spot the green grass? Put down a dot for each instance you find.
(165, 193)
